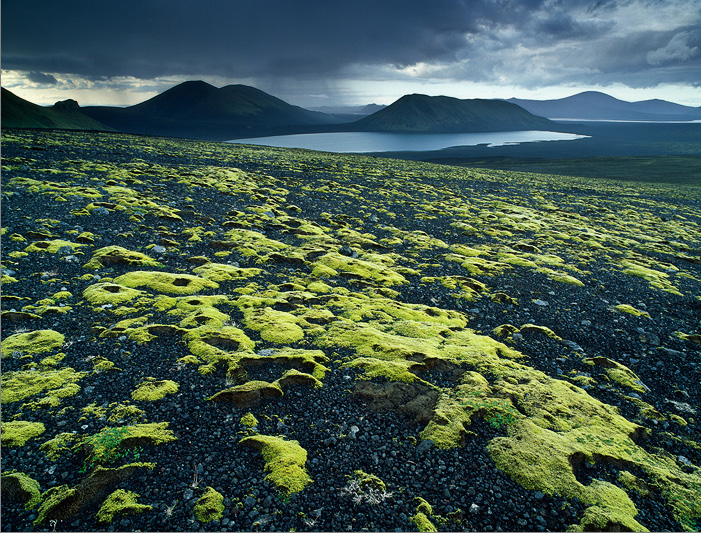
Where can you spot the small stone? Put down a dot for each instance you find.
(100, 211)
(474, 508)
(158, 249)
(424, 446)
(541, 303)
(249, 502)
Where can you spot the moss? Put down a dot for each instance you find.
(209, 506)
(619, 373)
(543, 330)
(625, 308)
(208, 316)
(369, 481)
(221, 272)
(120, 502)
(248, 394)
(60, 444)
(284, 461)
(331, 263)
(52, 246)
(422, 523)
(107, 293)
(631, 482)
(274, 326)
(111, 255)
(657, 279)
(295, 377)
(17, 433)
(166, 282)
(18, 486)
(249, 420)
(151, 390)
(62, 502)
(504, 330)
(250, 243)
(23, 384)
(40, 341)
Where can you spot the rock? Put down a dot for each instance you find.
(474, 508)
(67, 105)
(249, 501)
(348, 251)
(541, 303)
(158, 249)
(100, 211)
(424, 446)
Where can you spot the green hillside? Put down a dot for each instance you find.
(19, 113)
(418, 113)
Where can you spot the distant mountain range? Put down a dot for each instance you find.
(418, 113)
(592, 105)
(18, 113)
(196, 109)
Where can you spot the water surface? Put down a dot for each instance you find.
(368, 142)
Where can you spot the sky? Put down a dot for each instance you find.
(336, 52)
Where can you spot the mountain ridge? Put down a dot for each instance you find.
(200, 110)
(595, 105)
(419, 113)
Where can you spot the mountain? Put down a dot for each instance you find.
(418, 113)
(198, 109)
(19, 113)
(593, 105)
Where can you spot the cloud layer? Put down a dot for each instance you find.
(531, 43)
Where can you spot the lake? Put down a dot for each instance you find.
(368, 142)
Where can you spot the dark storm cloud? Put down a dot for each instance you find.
(40, 77)
(321, 38)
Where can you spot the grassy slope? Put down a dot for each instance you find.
(445, 255)
(18, 113)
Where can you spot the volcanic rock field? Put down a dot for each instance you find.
(204, 336)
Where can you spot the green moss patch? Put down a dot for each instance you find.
(165, 282)
(153, 389)
(626, 308)
(52, 246)
(18, 486)
(209, 506)
(120, 502)
(111, 255)
(284, 461)
(23, 384)
(17, 433)
(40, 341)
(220, 272)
